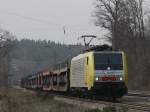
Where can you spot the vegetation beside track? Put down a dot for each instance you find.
(108, 109)
(29, 101)
(23, 101)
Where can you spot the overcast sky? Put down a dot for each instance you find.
(45, 19)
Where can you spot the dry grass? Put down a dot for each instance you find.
(19, 101)
(29, 101)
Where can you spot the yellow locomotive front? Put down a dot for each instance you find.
(110, 77)
(101, 73)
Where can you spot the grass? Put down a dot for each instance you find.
(109, 109)
(28, 101)
(17, 101)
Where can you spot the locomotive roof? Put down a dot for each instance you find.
(96, 49)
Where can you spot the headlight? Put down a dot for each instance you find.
(121, 78)
(96, 78)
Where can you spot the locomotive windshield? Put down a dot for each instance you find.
(103, 61)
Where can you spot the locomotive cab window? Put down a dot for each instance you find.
(103, 61)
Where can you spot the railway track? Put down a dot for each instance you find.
(94, 104)
(139, 94)
(137, 107)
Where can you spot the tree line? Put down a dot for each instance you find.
(6, 43)
(31, 56)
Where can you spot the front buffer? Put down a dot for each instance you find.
(109, 89)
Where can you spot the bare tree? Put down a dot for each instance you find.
(123, 18)
(6, 43)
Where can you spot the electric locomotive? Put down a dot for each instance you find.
(100, 73)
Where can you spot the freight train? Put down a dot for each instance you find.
(93, 72)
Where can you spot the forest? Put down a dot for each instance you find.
(30, 56)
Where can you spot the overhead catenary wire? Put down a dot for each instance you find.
(52, 24)
(29, 18)
(73, 30)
